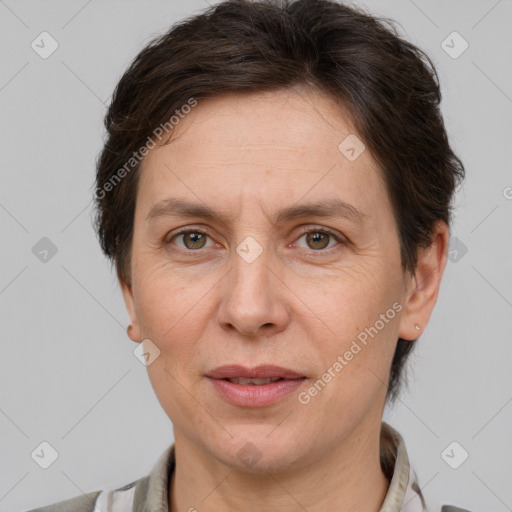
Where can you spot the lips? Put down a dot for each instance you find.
(261, 386)
(263, 374)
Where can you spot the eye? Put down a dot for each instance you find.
(318, 239)
(192, 239)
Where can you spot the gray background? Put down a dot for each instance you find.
(69, 376)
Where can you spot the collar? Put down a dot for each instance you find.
(403, 494)
(149, 494)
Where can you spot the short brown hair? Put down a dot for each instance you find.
(389, 86)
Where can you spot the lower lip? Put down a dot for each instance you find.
(255, 396)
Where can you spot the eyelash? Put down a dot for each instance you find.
(306, 231)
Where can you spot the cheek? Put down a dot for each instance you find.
(174, 310)
(352, 299)
(362, 313)
(355, 369)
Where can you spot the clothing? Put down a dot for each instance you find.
(149, 493)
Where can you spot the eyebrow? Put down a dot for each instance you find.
(330, 208)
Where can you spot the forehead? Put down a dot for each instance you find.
(262, 145)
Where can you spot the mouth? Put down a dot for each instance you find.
(254, 387)
(243, 381)
(257, 375)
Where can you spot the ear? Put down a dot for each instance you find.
(134, 333)
(423, 286)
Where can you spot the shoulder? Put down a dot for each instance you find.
(146, 493)
(104, 500)
(82, 503)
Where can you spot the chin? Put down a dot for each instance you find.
(255, 451)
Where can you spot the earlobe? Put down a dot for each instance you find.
(133, 330)
(424, 285)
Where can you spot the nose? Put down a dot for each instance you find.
(252, 300)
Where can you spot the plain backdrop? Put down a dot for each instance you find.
(68, 373)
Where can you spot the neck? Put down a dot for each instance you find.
(348, 478)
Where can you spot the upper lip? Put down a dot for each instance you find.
(263, 371)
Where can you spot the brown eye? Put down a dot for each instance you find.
(191, 240)
(317, 239)
(197, 240)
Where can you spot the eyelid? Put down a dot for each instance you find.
(185, 229)
(313, 228)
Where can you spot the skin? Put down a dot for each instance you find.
(299, 305)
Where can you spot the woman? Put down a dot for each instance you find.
(275, 193)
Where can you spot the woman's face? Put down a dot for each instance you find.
(248, 287)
